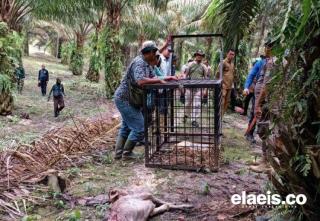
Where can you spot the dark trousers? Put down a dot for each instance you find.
(252, 116)
(233, 99)
(58, 105)
(43, 85)
(163, 103)
(247, 102)
(20, 83)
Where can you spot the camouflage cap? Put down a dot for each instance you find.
(199, 52)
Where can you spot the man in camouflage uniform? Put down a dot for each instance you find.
(20, 76)
(227, 79)
(261, 72)
(196, 70)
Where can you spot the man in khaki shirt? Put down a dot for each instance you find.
(227, 79)
(196, 70)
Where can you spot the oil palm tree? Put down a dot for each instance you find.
(95, 63)
(10, 52)
(232, 18)
(76, 15)
(295, 106)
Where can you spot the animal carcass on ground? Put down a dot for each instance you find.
(138, 205)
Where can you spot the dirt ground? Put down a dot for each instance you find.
(209, 193)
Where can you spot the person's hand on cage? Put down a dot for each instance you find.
(170, 78)
(162, 82)
(182, 76)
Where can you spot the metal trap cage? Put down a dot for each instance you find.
(183, 120)
(183, 124)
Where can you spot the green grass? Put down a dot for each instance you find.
(83, 100)
(236, 148)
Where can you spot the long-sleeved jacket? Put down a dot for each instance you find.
(43, 75)
(57, 90)
(254, 73)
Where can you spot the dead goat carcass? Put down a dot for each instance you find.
(138, 206)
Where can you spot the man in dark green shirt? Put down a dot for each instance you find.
(20, 76)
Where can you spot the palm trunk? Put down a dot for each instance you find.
(208, 49)
(236, 74)
(76, 61)
(66, 51)
(261, 35)
(59, 48)
(94, 68)
(113, 63)
(6, 103)
(7, 71)
(179, 53)
(26, 44)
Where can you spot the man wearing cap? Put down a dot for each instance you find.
(262, 72)
(139, 73)
(196, 70)
(227, 79)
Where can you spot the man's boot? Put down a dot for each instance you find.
(127, 150)
(119, 147)
(263, 167)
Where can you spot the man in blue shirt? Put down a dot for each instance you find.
(261, 71)
(43, 78)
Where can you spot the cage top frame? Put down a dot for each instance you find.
(203, 35)
(185, 84)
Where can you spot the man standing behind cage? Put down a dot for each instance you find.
(43, 78)
(196, 70)
(20, 76)
(128, 97)
(165, 65)
(227, 79)
(206, 63)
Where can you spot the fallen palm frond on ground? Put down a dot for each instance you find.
(30, 164)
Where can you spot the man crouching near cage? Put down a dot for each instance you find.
(128, 99)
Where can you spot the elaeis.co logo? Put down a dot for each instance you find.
(267, 200)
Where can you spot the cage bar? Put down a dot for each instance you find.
(183, 124)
